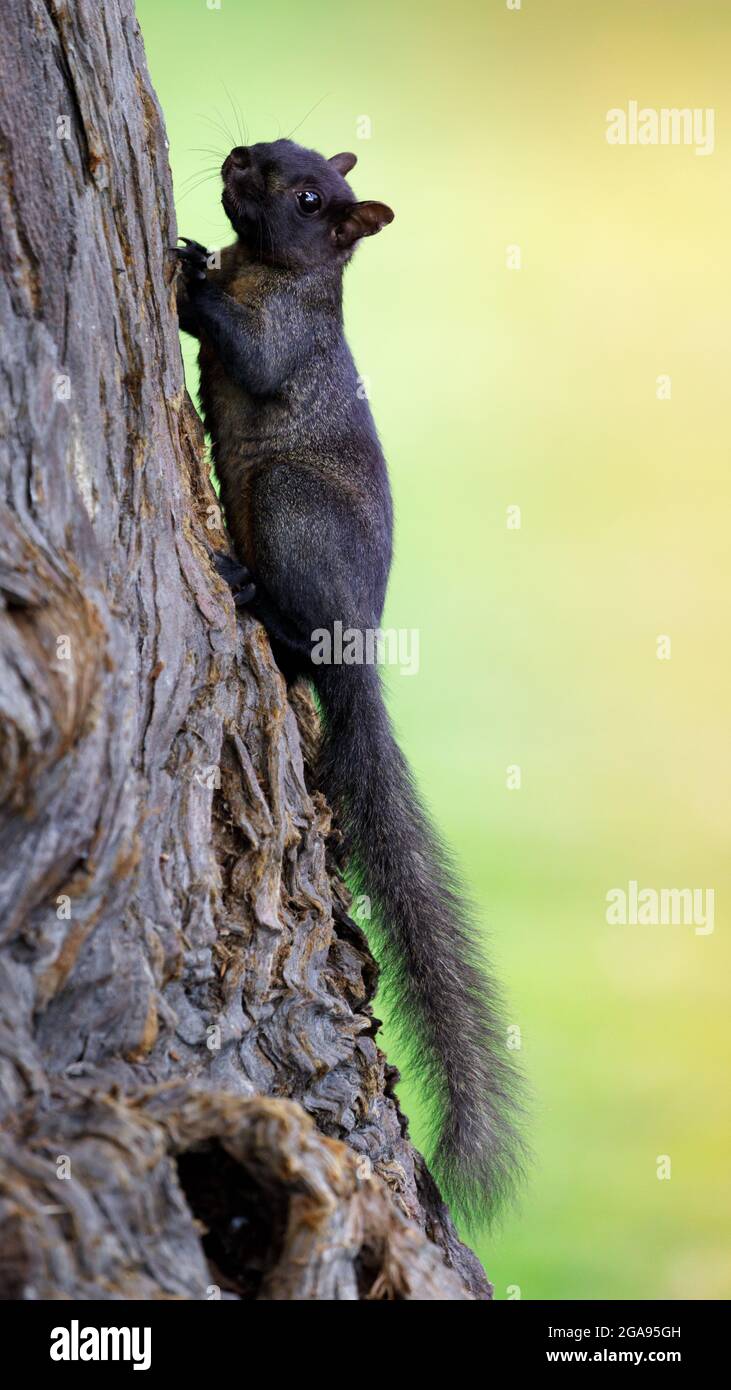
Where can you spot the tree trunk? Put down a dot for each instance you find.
(191, 1096)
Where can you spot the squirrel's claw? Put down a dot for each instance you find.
(194, 246)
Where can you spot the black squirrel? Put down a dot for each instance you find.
(306, 497)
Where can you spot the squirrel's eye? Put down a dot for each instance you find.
(309, 201)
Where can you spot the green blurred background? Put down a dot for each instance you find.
(494, 387)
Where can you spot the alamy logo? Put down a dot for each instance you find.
(664, 907)
(664, 125)
(354, 646)
(76, 1343)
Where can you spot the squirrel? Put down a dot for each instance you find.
(306, 497)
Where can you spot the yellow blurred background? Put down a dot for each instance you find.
(495, 387)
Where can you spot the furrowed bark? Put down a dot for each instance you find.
(191, 1094)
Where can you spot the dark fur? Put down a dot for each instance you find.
(306, 496)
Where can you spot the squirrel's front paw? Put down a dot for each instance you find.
(192, 283)
(193, 260)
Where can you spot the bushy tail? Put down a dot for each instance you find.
(447, 1011)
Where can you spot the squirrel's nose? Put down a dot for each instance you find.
(240, 157)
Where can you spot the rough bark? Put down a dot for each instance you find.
(191, 1094)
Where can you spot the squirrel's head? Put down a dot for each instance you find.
(292, 207)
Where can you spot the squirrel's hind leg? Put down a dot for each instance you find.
(238, 578)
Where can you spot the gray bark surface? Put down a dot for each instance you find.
(191, 1093)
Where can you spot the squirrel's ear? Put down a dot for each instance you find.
(343, 162)
(361, 219)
